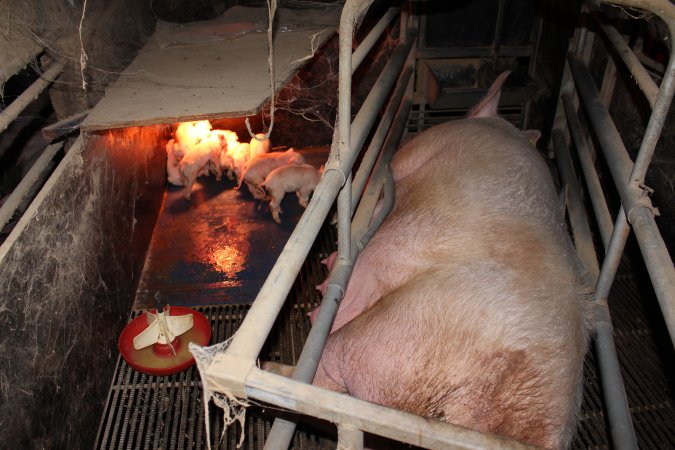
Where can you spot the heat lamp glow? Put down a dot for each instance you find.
(199, 150)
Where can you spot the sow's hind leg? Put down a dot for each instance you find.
(452, 359)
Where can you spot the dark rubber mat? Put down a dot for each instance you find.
(217, 247)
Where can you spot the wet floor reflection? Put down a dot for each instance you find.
(216, 248)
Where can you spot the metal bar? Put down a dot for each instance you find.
(614, 392)
(656, 122)
(344, 221)
(522, 51)
(369, 417)
(583, 240)
(633, 64)
(373, 103)
(250, 337)
(388, 201)
(532, 66)
(349, 438)
(633, 198)
(65, 126)
(608, 82)
(9, 114)
(662, 8)
(33, 178)
(498, 27)
(370, 156)
(282, 430)
(73, 155)
(602, 216)
(369, 41)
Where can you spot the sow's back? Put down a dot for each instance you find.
(467, 306)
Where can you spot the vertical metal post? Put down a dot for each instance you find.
(614, 392)
(349, 438)
(602, 216)
(344, 217)
(583, 240)
(498, 29)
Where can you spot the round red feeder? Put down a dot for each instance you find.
(158, 359)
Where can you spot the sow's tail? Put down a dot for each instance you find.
(487, 107)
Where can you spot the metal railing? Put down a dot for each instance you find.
(235, 371)
(636, 211)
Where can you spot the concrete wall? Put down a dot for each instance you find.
(68, 273)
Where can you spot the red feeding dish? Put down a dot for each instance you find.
(158, 359)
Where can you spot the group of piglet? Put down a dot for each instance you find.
(198, 150)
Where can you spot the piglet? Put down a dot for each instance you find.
(260, 147)
(220, 161)
(257, 168)
(198, 158)
(234, 158)
(468, 305)
(299, 178)
(329, 262)
(172, 172)
(191, 133)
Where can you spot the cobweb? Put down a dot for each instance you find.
(234, 409)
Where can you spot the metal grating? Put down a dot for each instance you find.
(149, 412)
(647, 365)
(422, 117)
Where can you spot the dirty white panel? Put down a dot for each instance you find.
(211, 69)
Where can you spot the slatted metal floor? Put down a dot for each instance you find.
(147, 412)
(647, 366)
(150, 412)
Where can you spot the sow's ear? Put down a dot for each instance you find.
(487, 107)
(532, 136)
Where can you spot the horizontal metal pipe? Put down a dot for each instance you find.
(583, 146)
(369, 41)
(391, 145)
(662, 8)
(9, 114)
(474, 52)
(33, 178)
(387, 206)
(583, 240)
(642, 77)
(370, 156)
(72, 158)
(633, 197)
(369, 417)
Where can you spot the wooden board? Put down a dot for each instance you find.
(215, 79)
